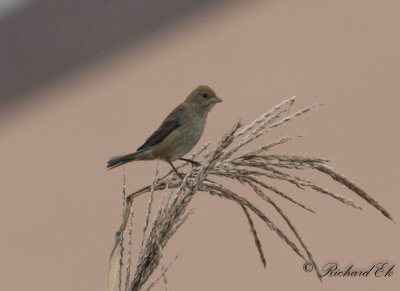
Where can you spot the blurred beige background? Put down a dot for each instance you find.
(69, 103)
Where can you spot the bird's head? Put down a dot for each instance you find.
(203, 98)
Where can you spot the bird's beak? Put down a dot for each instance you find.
(216, 99)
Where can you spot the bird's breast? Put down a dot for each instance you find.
(179, 142)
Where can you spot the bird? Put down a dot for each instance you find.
(177, 134)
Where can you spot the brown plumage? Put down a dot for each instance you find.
(179, 132)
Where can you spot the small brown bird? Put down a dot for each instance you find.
(178, 133)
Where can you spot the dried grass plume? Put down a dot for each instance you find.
(252, 168)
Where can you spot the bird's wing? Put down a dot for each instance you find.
(171, 123)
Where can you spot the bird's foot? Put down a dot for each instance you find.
(181, 176)
(194, 163)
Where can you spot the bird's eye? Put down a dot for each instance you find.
(204, 94)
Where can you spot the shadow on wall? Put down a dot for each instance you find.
(47, 39)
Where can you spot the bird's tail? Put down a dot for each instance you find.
(120, 160)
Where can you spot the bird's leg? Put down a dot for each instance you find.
(176, 171)
(194, 163)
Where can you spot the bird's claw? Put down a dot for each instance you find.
(196, 164)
